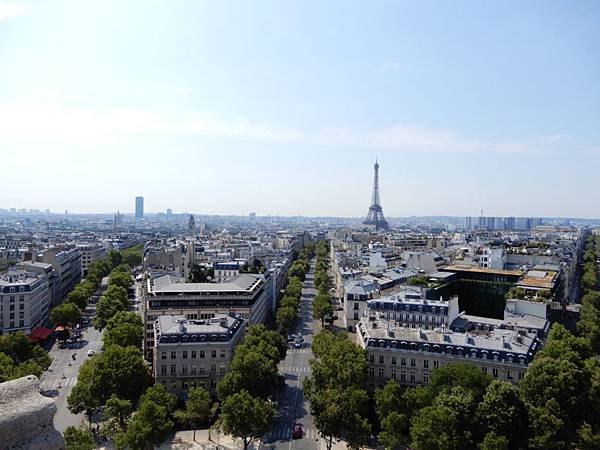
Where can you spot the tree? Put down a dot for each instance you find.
(158, 394)
(79, 439)
(125, 335)
(563, 383)
(66, 314)
(494, 442)
(133, 256)
(246, 417)
(466, 376)
(249, 370)
(340, 413)
(149, 426)
(113, 301)
(297, 269)
(121, 279)
(119, 410)
(503, 413)
(117, 370)
(11, 371)
(114, 258)
(21, 350)
(78, 296)
(435, 428)
(388, 399)
(83, 398)
(197, 408)
(322, 307)
(285, 318)
(267, 342)
(393, 431)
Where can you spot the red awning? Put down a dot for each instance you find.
(40, 334)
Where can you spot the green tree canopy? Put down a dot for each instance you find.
(66, 314)
(79, 438)
(246, 417)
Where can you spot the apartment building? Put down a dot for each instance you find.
(251, 296)
(24, 301)
(194, 353)
(406, 340)
(66, 262)
(90, 253)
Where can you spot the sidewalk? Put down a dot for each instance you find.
(184, 440)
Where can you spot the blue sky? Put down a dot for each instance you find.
(281, 107)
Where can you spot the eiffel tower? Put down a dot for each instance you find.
(375, 215)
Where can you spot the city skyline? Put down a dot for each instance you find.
(468, 107)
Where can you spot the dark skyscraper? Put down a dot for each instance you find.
(139, 208)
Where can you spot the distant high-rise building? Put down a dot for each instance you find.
(468, 223)
(169, 211)
(139, 208)
(192, 225)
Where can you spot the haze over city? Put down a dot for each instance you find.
(282, 107)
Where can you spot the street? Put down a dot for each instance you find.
(293, 408)
(61, 376)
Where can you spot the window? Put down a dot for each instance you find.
(381, 373)
(193, 370)
(413, 363)
(355, 316)
(163, 369)
(403, 361)
(435, 364)
(12, 307)
(393, 360)
(172, 368)
(484, 370)
(426, 363)
(201, 353)
(184, 369)
(371, 358)
(413, 377)
(355, 306)
(173, 355)
(193, 353)
(394, 374)
(403, 376)
(213, 368)
(371, 372)
(214, 354)
(22, 306)
(509, 375)
(222, 368)
(381, 359)
(222, 353)
(495, 372)
(185, 354)
(521, 375)
(21, 316)
(425, 378)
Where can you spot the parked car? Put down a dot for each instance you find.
(297, 432)
(297, 344)
(291, 338)
(91, 353)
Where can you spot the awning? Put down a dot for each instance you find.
(40, 334)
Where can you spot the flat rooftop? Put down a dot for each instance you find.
(168, 284)
(469, 268)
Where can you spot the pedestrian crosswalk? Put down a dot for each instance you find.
(290, 369)
(285, 433)
(302, 351)
(57, 383)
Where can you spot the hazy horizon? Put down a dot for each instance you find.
(282, 107)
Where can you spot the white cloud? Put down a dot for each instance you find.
(12, 9)
(49, 120)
